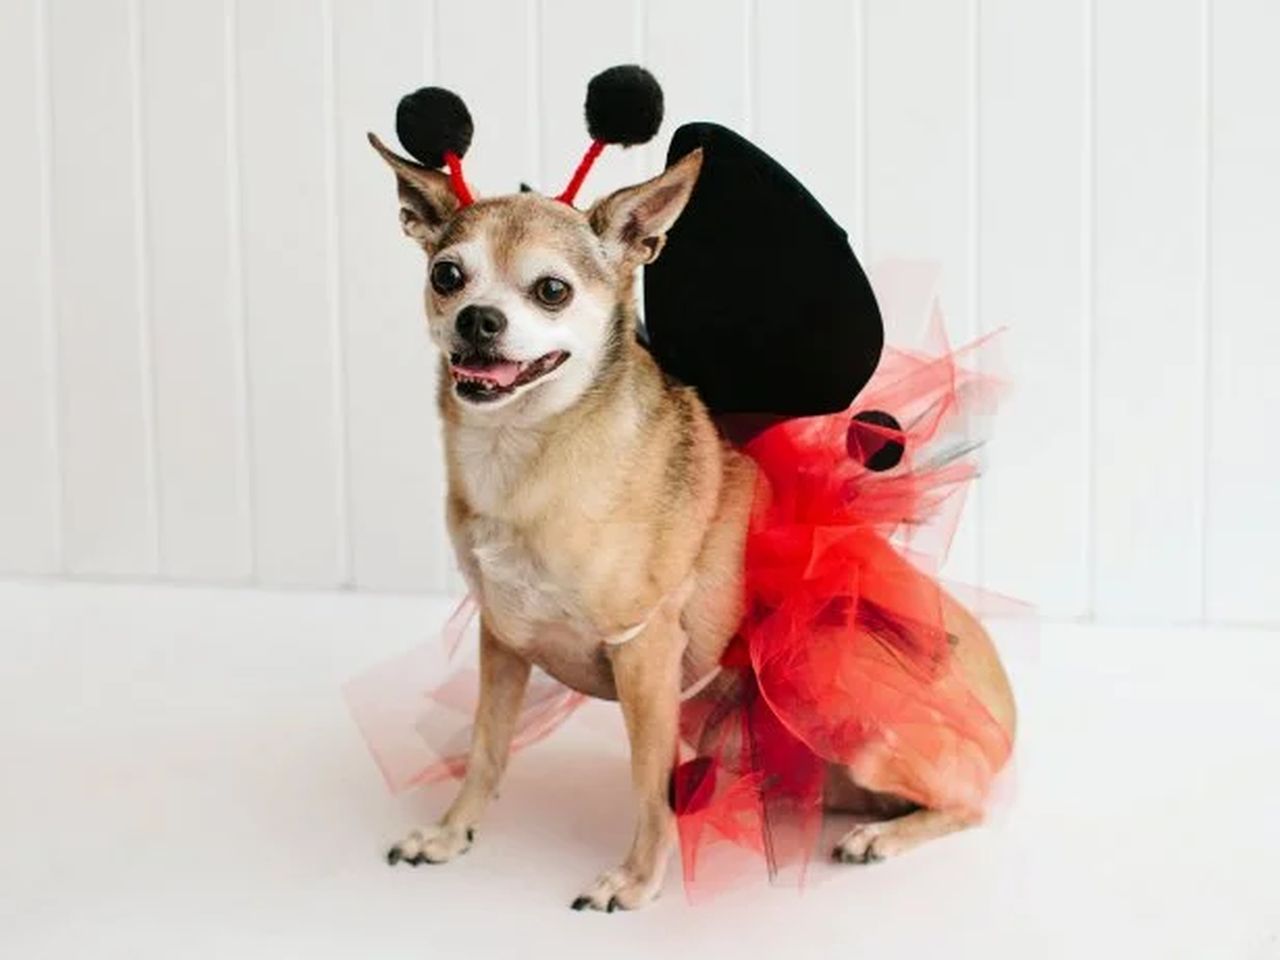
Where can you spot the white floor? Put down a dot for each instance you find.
(180, 779)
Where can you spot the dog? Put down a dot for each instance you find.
(597, 515)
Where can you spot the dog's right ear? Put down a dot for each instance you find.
(427, 200)
(633, 222)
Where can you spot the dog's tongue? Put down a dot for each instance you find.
(503, 373)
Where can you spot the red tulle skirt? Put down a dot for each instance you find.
(843, 657)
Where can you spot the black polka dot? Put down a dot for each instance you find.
(875, 440)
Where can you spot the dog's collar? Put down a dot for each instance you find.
(681, 594)
(618, 639)
(677, 597)
(689, 692)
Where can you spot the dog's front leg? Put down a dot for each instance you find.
(504, 675)
(646, 671)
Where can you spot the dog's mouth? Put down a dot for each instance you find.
(482, 379)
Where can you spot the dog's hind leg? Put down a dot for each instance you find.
(895, 824)
(911, 797)
(504, 675)
(871, 842)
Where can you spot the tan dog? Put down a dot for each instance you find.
(596, 513)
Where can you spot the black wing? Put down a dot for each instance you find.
(757, 299)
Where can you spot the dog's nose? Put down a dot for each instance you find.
(480, 325)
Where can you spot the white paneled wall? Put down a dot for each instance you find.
(212, 362)
(1031, 273)
(1242, 309)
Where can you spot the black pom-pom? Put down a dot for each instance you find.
(432, 122)
(624, 105)
(875, 440)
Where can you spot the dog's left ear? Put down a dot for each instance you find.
(633, 222)
(427, 201)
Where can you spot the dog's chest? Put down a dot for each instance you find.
(512, 576)
(529, 578)
(491, 463)
(515, 580)
(533, 610)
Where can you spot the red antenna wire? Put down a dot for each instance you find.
(584, 167)
(456, 180)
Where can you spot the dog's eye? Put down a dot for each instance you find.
(447, 277)
(552, 291)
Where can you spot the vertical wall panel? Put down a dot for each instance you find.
(700, 51)
(497, 79)
(812, 59)
(1032, 281)
(108, 520)
(1149, 372)
(919, 122)
(398, 538)
(284, 213)
(920, 125)
(28, 480)
(1243, 574)
(578, 39)
(203, 519)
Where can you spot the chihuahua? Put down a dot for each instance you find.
(597, 515)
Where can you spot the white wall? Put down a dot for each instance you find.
(211, 358)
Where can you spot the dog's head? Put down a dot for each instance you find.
(528, 298)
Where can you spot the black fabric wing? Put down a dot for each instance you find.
(757, 299)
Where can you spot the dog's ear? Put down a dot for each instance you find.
(633, 222)
(427, 200)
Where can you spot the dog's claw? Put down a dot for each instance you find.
(435, 844)
(620, 889)
(842, 855)
(396, 855)
(580, 903)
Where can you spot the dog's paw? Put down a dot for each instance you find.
(619, 889)
(434, 844)
(865, 843)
